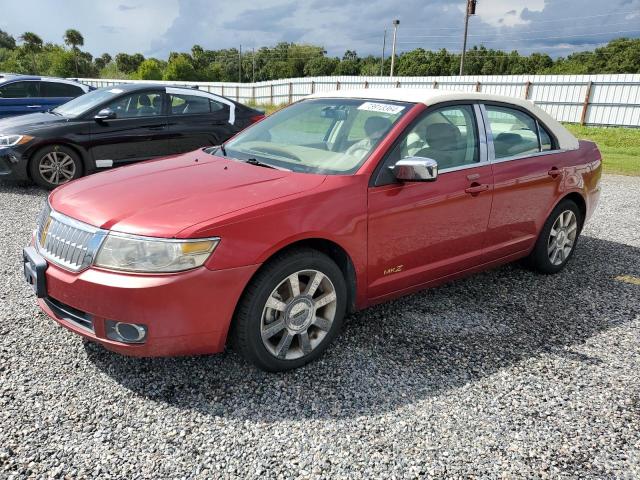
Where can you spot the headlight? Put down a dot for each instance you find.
(153, 255)
(12, 140)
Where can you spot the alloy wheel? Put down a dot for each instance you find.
(562, 237)
(57, 168)
(298, 314)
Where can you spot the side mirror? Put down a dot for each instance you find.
(105, 114)
(415, 169)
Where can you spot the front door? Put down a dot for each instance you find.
(138, 132)
(19, 98)
(420, 232)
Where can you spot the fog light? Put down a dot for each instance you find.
(126, 332)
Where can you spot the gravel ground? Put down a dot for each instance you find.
(505, 374)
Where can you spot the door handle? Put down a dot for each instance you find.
(476, 188)
(554, 172)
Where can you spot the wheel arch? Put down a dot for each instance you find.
(579, 200)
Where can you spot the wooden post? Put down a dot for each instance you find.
(337, 84)
(253, 94)
(435, 84)
(398, 84)
(222, 91)
(271, 93)
(366, 84)
(237, 93)
(313, 86)
(290, 92)
(477, 86)
(585, 105)
(527, 90)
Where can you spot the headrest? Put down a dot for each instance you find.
(442, 136)
(144, 101)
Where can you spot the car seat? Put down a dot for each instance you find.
(145, 109)
(445, 146)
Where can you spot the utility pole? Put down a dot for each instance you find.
(471, 10)
(253, 61)
(384, 46)
(240, 65)
(393, 47)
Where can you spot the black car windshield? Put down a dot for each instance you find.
(327, 136)
(86, 102)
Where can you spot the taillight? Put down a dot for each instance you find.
(256, 118)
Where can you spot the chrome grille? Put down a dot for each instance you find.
(66, 242)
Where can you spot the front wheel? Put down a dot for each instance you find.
(291, 311)
(558, 238)
(55, 165)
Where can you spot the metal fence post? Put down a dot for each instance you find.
(237, 93)
(271, 93)
(366, 84)
(253, 94)
(337, 84)
(527, 89)
(585, 104)
(435, 84)
(313, 86)
(398, 84)
(477, 86)
(290, 92)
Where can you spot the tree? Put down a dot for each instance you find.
(129, 63)
(180, 68)
(7, 41)
(73, 38)
(31, 43)
(320, 66)
(150, 69)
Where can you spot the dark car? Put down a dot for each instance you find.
(113, 126)
(22, 94)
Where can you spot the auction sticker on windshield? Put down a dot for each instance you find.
(381, 108)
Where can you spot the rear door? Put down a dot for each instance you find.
(423, 231)
(138, 132)
(20, 97)
(527, 175)
(54, 93)
(197, 120)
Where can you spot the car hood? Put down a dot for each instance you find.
(160, 198)
(29, 122)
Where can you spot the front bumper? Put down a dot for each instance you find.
(13, 163)
(187, 313)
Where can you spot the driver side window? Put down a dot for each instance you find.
(447, 135)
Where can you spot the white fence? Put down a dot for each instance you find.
(587, 99)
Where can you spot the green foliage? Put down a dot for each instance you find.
(286, 60)
(180, 68)
(150, 69)
(7, 41)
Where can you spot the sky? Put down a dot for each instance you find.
(157, 27)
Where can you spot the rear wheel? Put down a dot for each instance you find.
(291, 311)
(558, 238)
(55, 165)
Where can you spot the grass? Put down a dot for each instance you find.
(620, 147)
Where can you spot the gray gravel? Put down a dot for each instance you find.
(506, 373)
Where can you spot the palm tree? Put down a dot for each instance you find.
(74, 38)
(32, 44)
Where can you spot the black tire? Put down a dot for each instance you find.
(246, 333)
(540, 258)
(70, 166)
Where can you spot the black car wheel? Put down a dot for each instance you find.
(54, 165)
(291, 311)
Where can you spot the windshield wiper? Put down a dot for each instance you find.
(255, 161)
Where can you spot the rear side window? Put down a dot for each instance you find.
(56, 89)
(545, 139)
(20, 90)
(514, 132)
(192, 104)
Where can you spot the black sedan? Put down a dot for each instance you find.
(113, 126)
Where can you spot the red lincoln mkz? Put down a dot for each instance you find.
(335, 203)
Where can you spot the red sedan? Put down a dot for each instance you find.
(335, 203)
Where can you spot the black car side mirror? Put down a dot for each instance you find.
(105, 114)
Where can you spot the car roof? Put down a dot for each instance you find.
(133, 87)
(5, 77)
(434, 96)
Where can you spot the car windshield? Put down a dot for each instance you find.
(86, 102)
(327, 136)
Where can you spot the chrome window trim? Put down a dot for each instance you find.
(491, 150)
